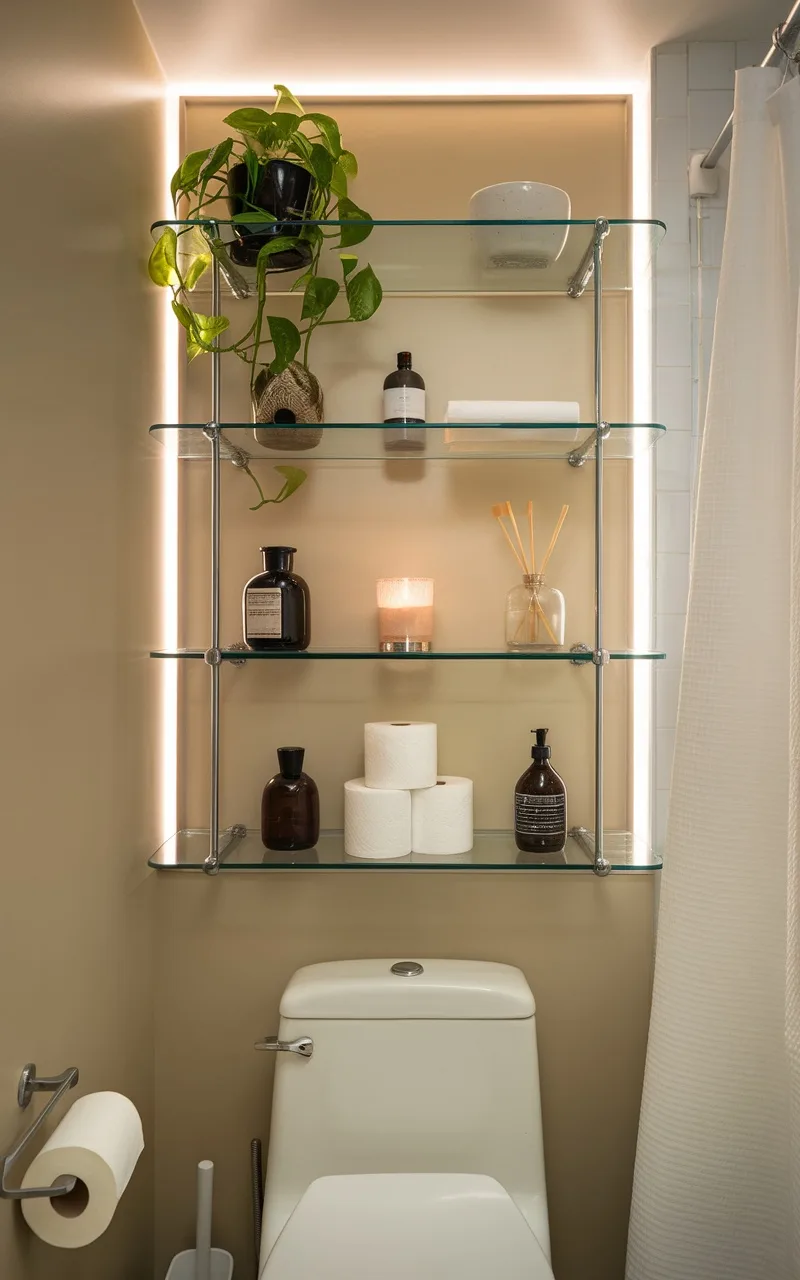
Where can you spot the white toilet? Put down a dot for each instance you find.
(406, 1138)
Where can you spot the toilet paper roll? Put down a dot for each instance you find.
(99, 1142)
(400, 755)
(441, 817)
(377, 824)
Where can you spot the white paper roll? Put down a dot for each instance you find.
(99, 1142)
(400, 756)
(377, 824)
(441, 817)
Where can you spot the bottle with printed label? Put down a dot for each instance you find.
(276, 605)
(404, 406)
(540, 804)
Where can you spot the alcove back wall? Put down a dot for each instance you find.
(227, 947)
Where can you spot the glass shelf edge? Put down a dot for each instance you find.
(368, 655)
(492, 851)
(421, 222)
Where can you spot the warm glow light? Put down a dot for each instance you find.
(404, 593)
(643, 576)
(412, 89)
(169, 506)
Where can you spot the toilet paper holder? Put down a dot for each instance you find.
(29, 1084)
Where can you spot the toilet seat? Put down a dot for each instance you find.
(406, 1226)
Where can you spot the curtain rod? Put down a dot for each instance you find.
(785, 35)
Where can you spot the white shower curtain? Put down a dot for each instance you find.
(717, 1183)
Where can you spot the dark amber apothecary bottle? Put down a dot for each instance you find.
(290, 805)
(540, 804)
(276, 604)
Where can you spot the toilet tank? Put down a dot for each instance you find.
(433, 1073)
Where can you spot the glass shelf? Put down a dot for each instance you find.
(411, 257)
(344, 442)
(439, 655)
(492, 851)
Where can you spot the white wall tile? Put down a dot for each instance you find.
(670, 142)
(668, 684)
(712, 64)
(713, 235)
(672, 276)
(671, 205)
(749, 53)
(708, 111)
(674, 462)
(672, 583)
(674, 336)
(710, 292)
(665, 750)
(673, 405)
(673, 520)
(671, 85)
(670, 628)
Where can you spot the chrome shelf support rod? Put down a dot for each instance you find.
(213, 656)
(600, 655)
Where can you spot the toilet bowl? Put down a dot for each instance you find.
(406, 1139)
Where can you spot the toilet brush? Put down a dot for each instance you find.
(202, 1262)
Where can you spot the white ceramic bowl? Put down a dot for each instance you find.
(535, 247)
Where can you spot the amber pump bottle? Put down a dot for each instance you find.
(290, 805)
(540, 804)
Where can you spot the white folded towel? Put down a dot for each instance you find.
(528, 411)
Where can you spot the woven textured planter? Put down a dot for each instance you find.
(290, 405)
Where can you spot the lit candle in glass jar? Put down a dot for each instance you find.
(405, 615)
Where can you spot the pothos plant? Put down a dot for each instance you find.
(312, 141)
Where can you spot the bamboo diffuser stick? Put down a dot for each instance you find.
(503, 510)
(554, 538)
(498, 511)
(530, 526)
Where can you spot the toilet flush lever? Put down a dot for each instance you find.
(304, 1045)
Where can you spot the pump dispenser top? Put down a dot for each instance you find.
(541, 751)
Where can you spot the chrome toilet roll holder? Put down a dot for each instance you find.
(29, 1084)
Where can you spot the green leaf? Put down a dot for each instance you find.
(283, 125)
(321, 165)
(210, 327)
(252, 216)
(329, 130)
(286, 95)
(286, 341)
(248, 120)
(349, 164)
(311, 234)
(349, 263)
(320, 293)
(163, 262)
(185, 178)
(364, 293)
(195, 270)
(193, 348)
(294, 476)
(185, 316)
(298, 145)
(252, 165)
(302, 281)
(216, 159)
(339, 182)
(350, 212)
(268, 250)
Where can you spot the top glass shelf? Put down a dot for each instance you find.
(450, 257)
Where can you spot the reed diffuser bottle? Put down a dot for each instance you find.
(535, 611)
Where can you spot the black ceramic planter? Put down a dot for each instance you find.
(283, 190)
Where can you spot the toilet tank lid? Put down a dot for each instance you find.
(380, 989)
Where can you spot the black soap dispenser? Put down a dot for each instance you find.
(290, 805)
(540, 804)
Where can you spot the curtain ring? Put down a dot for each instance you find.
(777, 43)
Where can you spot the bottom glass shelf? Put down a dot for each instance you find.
(492, 851)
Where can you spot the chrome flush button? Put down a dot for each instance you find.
(407, 969)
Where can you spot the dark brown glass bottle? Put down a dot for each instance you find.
(404, 404)
(290, 805)
(276, 604)
(540, 804)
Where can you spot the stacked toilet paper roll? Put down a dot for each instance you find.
(98, 1142)
(441, 817)
(401, 805)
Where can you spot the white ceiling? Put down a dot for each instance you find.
(434, 44)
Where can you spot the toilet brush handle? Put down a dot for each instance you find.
(205, 1192)
(303, 1045)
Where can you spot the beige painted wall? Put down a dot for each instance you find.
(227, 947)
(79, 360)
